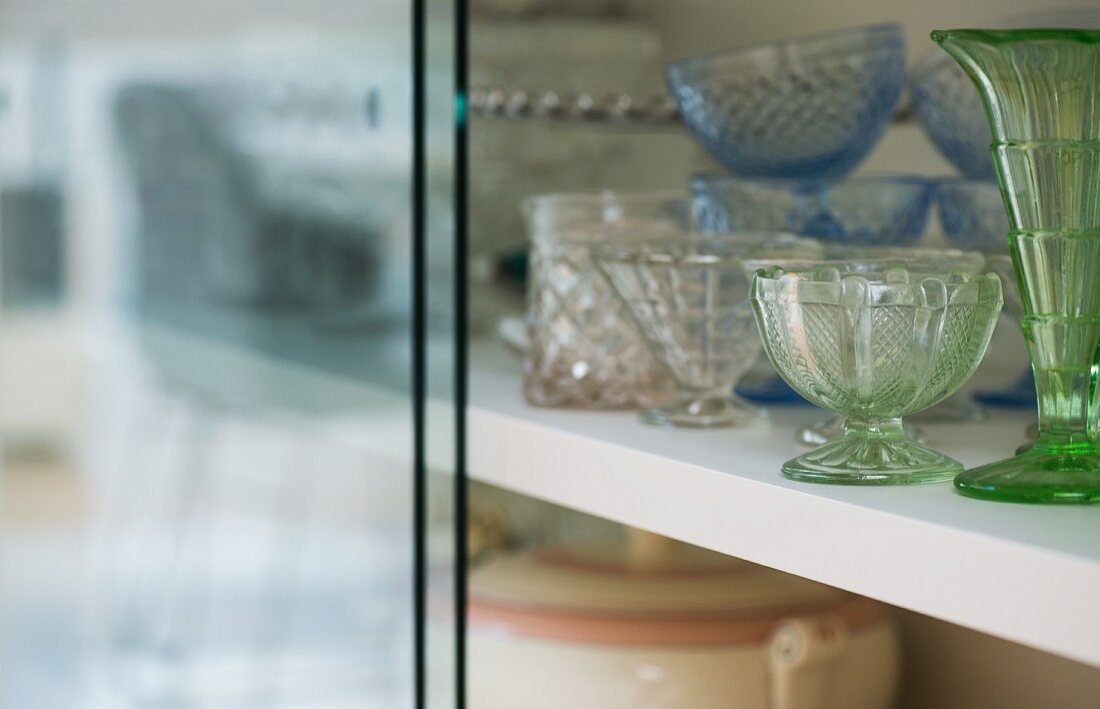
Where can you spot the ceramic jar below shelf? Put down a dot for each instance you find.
(586, 631)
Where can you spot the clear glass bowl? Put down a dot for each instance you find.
(949, 109)
(584, 349)
(972, 214)
(875, 259)
(874, 347)
(689, 297)
(883, 210)
(806, 107)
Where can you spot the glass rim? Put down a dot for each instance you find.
(667, 251)
(833, 255)
(774, 274)
(1003, 36)
(870, 30)
(768, 285)
(884, 179)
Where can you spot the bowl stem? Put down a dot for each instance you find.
(872, 452)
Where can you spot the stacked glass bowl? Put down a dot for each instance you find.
(790, 120)
(810, 107)
(878, 212)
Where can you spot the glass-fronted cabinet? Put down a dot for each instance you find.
(275, 274)
(227, 297)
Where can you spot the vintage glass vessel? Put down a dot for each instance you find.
(584, 350)
(689, 298)
(874, 347)
(872, 259)
(1041, 90)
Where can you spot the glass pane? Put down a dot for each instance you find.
(206, 353)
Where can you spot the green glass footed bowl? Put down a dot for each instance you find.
(874, 347)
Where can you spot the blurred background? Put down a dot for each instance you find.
(205, 350)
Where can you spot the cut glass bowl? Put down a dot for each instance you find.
(806, 107)
(874, 347)
(882, 210)
(871, 259)
(584, 349)
(689, 297)
(949, 109)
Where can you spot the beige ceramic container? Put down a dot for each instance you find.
(550, 630)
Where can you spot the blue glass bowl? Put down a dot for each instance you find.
(807, 107)
(885, 211)
(973, 214)
(949, 108)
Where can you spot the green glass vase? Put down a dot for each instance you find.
(1041, 90)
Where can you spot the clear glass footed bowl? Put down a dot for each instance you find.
(972, 214)
(882, 210)
(689, 297)
(876, 259)
(807, 107)
(949, 109)
(874, 347)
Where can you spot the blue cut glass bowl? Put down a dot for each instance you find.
(949, 108)
(876, 211)
(972, 214)
(806, 107)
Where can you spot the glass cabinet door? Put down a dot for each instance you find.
(227, 478)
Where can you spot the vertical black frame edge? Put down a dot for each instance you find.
(419, 354)
(461, 173)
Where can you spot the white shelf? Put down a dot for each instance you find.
(1030, 574)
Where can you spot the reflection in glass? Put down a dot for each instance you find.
(208, 440)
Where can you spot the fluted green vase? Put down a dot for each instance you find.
(1041, 90)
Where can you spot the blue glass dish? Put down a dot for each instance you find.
(1018, 394)
(949, 108)
(973, 215)
(807, 107)
(866, 211)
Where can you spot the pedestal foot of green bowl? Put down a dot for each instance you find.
(860, 459)
(1036, 475)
